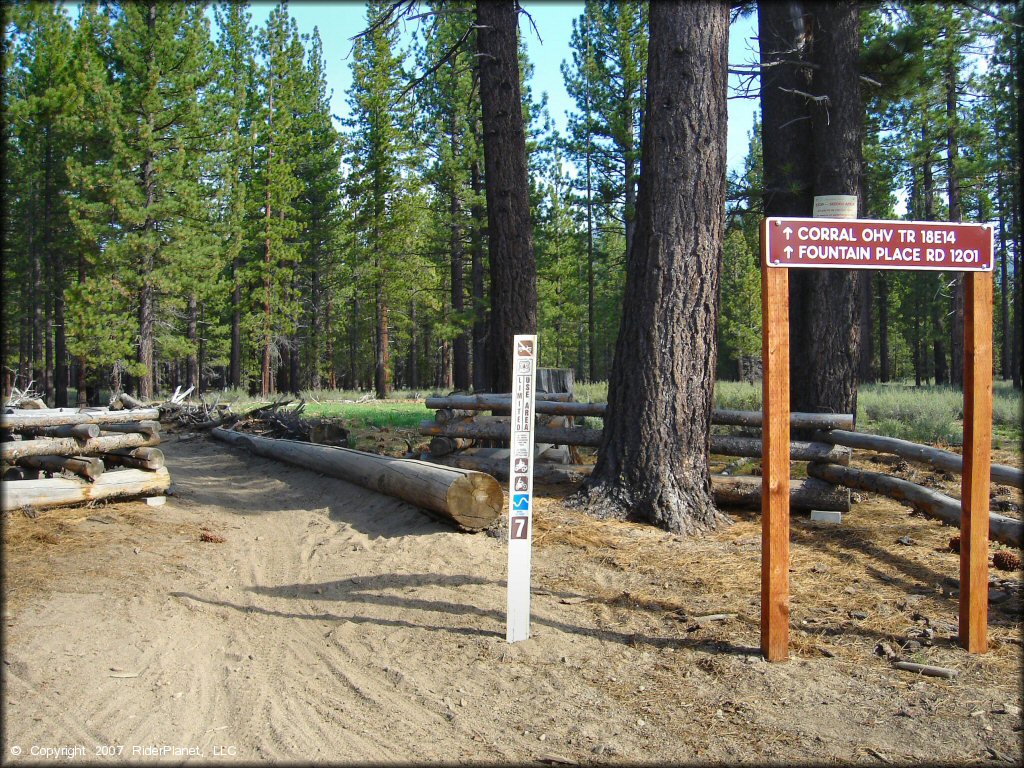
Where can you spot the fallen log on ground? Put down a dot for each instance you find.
(799, 450)
(124, 400)
(136, 458)
(728, 490)
(442, 446)
(77, 431)
(935, 457)
(59, 492)
(501, 430)
(550, 403)
(796, 420)
(84, 466)
(926, 669)
(69, 446)
(932, 503)
(546, 403)
(745, 491)
(468, 498)
(146, 427)
(724, 445)
(53, 417)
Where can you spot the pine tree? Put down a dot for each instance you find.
(234, 98)
(100, 326)
(159, 59)
(607, 80)
(513, 268)
(275, 187)
(39, 104)
(653, 459)
(319, 206)
(380, 156)
(449, 108)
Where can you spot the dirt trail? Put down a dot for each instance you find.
(334, 624)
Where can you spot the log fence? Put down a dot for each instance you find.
(461, 426)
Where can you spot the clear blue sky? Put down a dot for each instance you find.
(340, 21)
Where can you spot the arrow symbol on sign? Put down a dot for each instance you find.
(788, 250)
(788, 231)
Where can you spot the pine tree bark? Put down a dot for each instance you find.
(414, 352)
(382, 363)
(652, 463)
(865, 365)
(883, 327)
(460, 345)
(316, 323)
(1018, 259)
(828, 345)
(477, 269)
(786, 139)
(1004, 287)
(147, 293)
(510, 234)
(192, 332)
(235, 360)
(956, 330)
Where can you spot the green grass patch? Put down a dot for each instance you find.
(921, 414)
(738, 395)
(376, 413)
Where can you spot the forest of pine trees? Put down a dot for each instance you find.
(182, 208)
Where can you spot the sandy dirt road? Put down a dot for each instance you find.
(333, 624)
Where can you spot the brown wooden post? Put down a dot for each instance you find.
(974, 501)
(775, 461)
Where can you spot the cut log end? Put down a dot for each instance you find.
(475, 501)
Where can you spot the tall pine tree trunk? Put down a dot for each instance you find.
(235, 363)
(147, 296)
(316, 324)
(477, 269)
(332, 378)
(829, 314)
(653, 459)
(883, 327)
(353, 346)
(510, 234)
(1018, 197)
(865, 365)
(414, 352)
(1004, 288)
(192, 333)
(938, 348)
(55, 261)
(956, 331)
(36, 303)
(382, 363)
(591, 335)
(786, 139)
(267, 383)
(460, 349)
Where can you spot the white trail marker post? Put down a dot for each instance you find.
(520, 487)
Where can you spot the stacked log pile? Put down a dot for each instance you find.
(59, 456)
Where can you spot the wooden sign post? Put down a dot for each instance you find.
(867, 244)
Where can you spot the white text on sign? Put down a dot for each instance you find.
(868, 244)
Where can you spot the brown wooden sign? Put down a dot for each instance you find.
(790, 243)
(870, 244)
